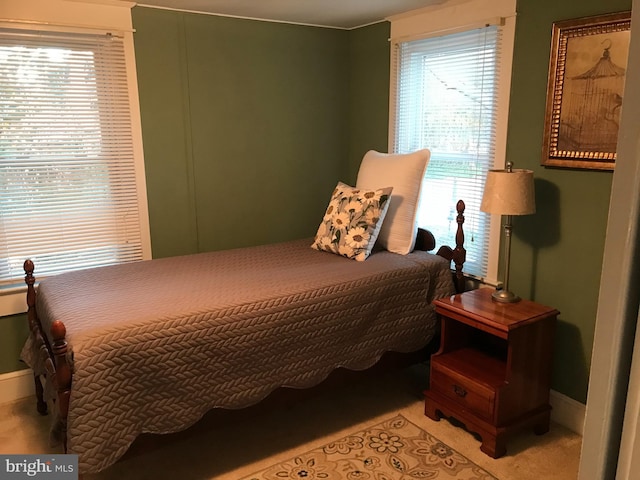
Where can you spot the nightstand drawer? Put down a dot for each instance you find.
(463, 391)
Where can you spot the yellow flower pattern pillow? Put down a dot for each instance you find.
(352, 221)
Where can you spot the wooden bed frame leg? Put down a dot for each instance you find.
(63, 374)
(41, 405)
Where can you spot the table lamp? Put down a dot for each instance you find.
(508, 192)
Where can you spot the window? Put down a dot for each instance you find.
(69, 189)
(446, 99)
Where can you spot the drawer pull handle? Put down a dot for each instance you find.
(461, 392)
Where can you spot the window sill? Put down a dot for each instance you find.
(13, 300)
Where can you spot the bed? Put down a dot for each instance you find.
(150, 347)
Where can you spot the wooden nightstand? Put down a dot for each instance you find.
(492, 371)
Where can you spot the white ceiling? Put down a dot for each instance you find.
(328, 13)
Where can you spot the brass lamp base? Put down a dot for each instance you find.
(505, 296)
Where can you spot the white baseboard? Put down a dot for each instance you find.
(567, 412)
(16, 385)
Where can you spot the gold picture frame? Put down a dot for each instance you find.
(584, 93)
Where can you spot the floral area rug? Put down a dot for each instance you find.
(393, 450)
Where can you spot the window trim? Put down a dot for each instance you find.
(98, 17)
(444, 20)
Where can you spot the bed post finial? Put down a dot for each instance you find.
(28, 266)
(30, 280)
(457, 255)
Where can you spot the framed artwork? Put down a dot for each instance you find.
(585, 89)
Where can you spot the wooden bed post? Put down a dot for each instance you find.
(459, 254)
(34, 327)
(62, 379)
(54, 356)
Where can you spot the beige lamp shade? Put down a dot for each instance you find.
(509, 192)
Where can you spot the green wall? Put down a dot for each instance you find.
(245, 128)
(369, 92)
(15, 330)
(556, 253)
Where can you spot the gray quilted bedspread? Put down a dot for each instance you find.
(157, 344)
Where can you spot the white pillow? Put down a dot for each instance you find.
(404, 172)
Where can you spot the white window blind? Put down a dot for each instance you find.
(68, 193)
(445, 101)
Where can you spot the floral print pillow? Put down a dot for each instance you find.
(352, 221)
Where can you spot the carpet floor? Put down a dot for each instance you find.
(250, 444)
